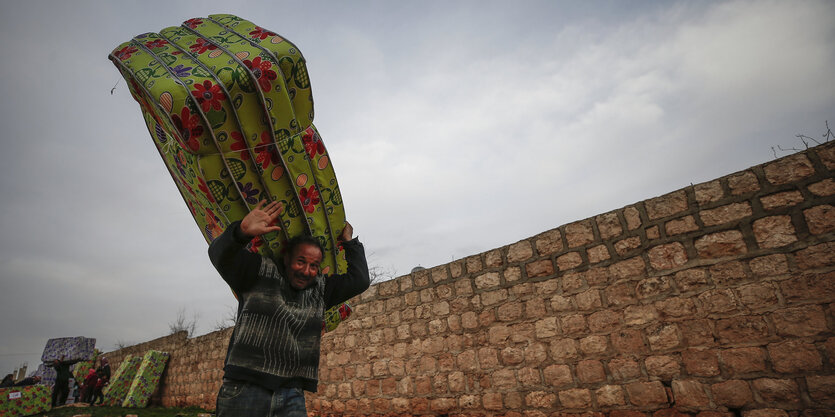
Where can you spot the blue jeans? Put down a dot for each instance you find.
(243, 399)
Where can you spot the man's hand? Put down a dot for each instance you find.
(346, 234)
(260, 221)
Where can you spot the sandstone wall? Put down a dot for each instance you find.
(716, 299)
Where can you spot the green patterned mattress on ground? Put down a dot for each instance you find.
(228, 105)
(25, 401)
(146, 380)
(121, 381)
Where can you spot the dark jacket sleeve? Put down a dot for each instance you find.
(238, 267)
(340, 288)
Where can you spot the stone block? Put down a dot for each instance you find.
(636, 315)
(633, 217)
(610, 396)
(563, 350)
(546, 328)
(629, 268)
(698, 362)
(800, 321)
(608, 225)
(622, 247)
(653, 287)
(666, 205)
(540, 268)
(528, 377)
(604, 321)
(758, 296)
(588, 300)
(725, 214)
(664, 367)
(734, 393)
(549, 242)
(795, 356)
(821, 389)
(668, 256)
(827, 156)
(783, 199)
(540, 399)
(743, 183)
(742, 329)
(558, 376)
(692, 279)
(519, 251)
(569, 260)
(816, 256)
(777, 391)
(689, 393)
(590, 371)
(647, 394)
(624, 369)
(742, 361)
(595, 345)
(718, 301)
(577, 398)
(628, 342)
(823, 188)
(573, 324)
(728, 274)
(676, 307)
(721, 244)
(579, 233)
(788, 169)
(487, 280)
(663, 337)
(680, 226)
(620, 294)
(598, 254)
(765, 412)
(535, 354)
(774, 231)
(820, 219)
(708, 192)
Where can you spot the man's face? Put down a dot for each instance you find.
(303, 265)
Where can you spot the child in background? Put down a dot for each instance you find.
(89, 385)
(98, 394)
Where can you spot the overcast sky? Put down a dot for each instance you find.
(455, 127)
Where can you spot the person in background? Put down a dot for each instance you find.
(98, 393)
(61, 389)
(89, 385)
(8, 381)
(32, 380)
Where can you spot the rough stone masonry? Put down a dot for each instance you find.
(714, 300)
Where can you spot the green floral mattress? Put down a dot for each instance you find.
(25, 401)
(228, 105)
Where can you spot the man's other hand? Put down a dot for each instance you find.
(346, 234)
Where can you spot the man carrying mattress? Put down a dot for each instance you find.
(273, 353)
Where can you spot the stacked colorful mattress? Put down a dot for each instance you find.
(81, 369)
(69, 349)
(25, 401)
(229, 107)
(121, 381)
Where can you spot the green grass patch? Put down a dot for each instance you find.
(69, 411)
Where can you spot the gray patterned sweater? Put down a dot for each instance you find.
(275, 343)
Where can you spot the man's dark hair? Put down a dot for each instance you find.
(293, 243)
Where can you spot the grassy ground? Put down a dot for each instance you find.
(69, 411)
